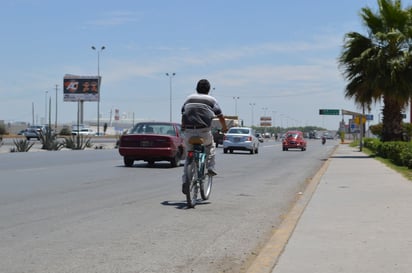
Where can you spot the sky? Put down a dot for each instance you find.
(263, 58)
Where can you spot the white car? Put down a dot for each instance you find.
(241, 138)
(84, 132)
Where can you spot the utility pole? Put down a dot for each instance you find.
(55, 121)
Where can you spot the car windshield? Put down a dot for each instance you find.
(244, 131)
(153, 128)
(292, 135)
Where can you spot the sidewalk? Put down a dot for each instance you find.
(359, 220)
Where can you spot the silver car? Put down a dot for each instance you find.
(32, 132)
(241, 138)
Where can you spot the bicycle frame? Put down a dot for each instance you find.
(199, 156)
(195, 173)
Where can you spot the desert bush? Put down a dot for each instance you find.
(21, 145)
(78, 142)
(65, 131)
(50, 141)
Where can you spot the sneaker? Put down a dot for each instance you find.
(211, 172)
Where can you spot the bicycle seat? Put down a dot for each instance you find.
(196, 140)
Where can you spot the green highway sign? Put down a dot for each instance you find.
(329, 112)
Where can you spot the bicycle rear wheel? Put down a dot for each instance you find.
(206, 187)
(191, 184)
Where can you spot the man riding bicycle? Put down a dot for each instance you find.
(197, 113)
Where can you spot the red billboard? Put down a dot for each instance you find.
(81, 88)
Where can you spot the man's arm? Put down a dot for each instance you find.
(223, 123)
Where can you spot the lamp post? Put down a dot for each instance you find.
(264, 110)
(252, 105)
(45, 106)
(98, 75)
(236, 98)
(281, 121)
(55, 121)
(170, 75)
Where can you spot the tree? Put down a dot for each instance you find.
(379, 66)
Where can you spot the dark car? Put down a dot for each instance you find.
(151, 142)
(218, 137)
(294, 140)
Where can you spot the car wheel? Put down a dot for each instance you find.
(225, 151)
(128, 162)
(175, 161)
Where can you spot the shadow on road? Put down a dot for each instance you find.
(182, 204)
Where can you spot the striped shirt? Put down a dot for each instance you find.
(199, 110)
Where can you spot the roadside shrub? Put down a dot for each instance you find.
(21, 145)
(50, 141)
(2, 129)
(372, 144)
(406, 130)
(78, 142)
(392, 151)
(376, 129)
(405, 156)
(399, 152)
(65, 131)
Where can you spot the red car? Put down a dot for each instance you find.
(153, 141)
(294, 140)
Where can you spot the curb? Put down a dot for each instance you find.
(269, 255)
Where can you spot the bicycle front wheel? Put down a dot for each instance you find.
(206, 187)
(191, 184)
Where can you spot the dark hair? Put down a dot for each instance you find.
(203, 86)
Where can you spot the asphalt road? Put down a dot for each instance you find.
(83, 211)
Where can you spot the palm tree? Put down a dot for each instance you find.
(379, 66)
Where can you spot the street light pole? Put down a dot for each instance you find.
(45, 106)
(252, 105)
(264, 111)
(55, 121)
(98, 75)
(236, 98)
(170, 75)
(274, 118)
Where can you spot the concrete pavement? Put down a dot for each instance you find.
(356, 217)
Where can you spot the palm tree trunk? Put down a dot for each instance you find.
(392, 119)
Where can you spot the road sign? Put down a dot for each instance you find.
(329, 112)
(357, 119)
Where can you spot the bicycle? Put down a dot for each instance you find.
(196, 177)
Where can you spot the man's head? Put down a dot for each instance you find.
(203, 86)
